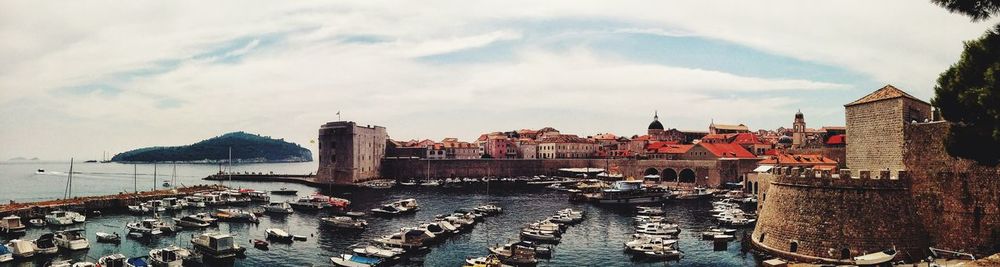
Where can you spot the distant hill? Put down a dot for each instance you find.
(246, 147)
(21, 159)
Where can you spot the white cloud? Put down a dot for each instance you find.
(289, 88)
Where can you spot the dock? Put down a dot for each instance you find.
(304, 179)
(118, 202)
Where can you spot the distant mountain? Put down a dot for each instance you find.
(21, 159)
(246, 147)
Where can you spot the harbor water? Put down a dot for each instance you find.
(597, 241)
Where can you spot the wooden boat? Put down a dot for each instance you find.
(278, 235)
(11, 226)
(260, 244)
(876, 258)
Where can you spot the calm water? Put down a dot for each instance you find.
(595, 242)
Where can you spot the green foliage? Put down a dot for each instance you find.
(245, 146)
(968, 94)
(978, 10)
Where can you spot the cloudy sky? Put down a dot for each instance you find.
(81, 77)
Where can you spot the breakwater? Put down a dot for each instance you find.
(117, 202)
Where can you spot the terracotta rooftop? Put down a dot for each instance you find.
(838, 139)
(887, 92)
(727, 150)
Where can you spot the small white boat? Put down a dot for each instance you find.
(379, 252)
(344, 222)
(278, 208)
(37, 222)
(119, 260)
(62, 217)
(536, 235)
(147, 227)
(348, 260)
(21, 248)
(278, 235)
(108, 238)
(171, 256)
(650, 211)
(192, 221)
(72, 239)
(876, 258)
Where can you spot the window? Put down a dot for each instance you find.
(793, 247)
(761, 239)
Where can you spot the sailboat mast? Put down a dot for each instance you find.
(230, 165)
(174, 174)
(135, 178)
(154, 176)
(69, 181)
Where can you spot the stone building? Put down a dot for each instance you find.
(875, 129)
(350, 153)
(799, 130)
(715, 128)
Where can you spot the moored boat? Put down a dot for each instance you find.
(278, 208)
(45, 245)
(113, 238)
(278, 235)
(344, 222)
(353, 260)
(217, 246)
(171, 256)
(876, 258)
(21, 248)
(5, 254)
(284, 191)
(72, 239)
(12, 226)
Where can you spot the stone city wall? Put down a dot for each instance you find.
(958, 200)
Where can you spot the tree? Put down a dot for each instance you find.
(978, 10)
(968, 94)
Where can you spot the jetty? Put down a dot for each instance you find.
(304, 179)
(117, 202)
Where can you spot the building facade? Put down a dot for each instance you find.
(875, 129)
(350, 153)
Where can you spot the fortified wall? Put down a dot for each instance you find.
(705, 172)
(957, 199)
(825, 217)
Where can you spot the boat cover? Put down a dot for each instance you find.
(137, 262)
(365, 260)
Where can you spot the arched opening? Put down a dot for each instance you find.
(755, 188)
(669, 175)
(793, 247)
(761, 239)
(845, 253)
(687, 176)
(651, 174)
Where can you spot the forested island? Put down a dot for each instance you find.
(246, 148)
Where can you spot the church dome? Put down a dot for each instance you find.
(784, 139)
(655, 125)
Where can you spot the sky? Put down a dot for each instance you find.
(78, 78)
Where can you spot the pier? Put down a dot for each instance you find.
(304, 179)
(117, 202)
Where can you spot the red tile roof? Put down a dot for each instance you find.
(727, 150)
(839, 139)
(887, 92)
(746, 139)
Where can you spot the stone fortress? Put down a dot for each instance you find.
(900, 190)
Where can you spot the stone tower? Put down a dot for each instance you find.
(875, 125)
(350, 153)
(799, 130)
(816, 216)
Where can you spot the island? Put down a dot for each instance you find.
(246, 148)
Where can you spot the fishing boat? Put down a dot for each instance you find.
(5, 254)
(194, 221)
(112, 238)
(278, 235)
(516, 254)
(506, 250)
(353, 260)
(344, 222)
(72, 239)
(284, 191)
(256, 196)
(278, 208)
(45, 245)
(171, 256)
(317, 202)
(21, 248)
(538, 235)
(876, 258)
(235, 215)
(485, 261)
(12, 226)
(218, 246)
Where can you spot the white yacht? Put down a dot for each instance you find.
(278, 208)
(45, 245)
(72, 239)
(60, 217)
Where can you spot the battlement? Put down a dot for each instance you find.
(884, 179)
